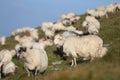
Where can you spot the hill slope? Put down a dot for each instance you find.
(107, 68)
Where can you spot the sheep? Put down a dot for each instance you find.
(8, 68)
(49, 33)
(92, 29)
(35, 60)
(3, 40)
(90, 46)
(111, 8)
(46, 26)
(66, 22)
(22, 30)
(97, 13)
(34, 34)
(69, 19)
(100, 8)
(91, 24)
(91, 19)
(25, 39)
(47, 29)
(58, 27)
(6, 55)
(68, 15)
(17, 38)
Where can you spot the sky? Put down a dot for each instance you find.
(16, 14)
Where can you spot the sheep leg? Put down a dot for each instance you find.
(27, 71)
(74, 56)
(35, 72)
(72, 63)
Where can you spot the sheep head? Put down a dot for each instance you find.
(59, 40)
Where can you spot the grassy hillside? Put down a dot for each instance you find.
(107, 68)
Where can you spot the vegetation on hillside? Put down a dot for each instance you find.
(106, 68)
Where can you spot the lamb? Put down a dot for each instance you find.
(3, 40)
(90, 46)
(35, 59)
(8, 68)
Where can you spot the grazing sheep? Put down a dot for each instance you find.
(97, 13)
(90, 46)
(35, 60)
(91, 24)
(9, 68)
(111, 8)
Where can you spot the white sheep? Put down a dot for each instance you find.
(25, 39)
(97, 13)
(91, 24)
(47, 29)
(8, 68)
(92, 29)
(90, 46)
(6, 55)
(92, 20)
(35, 59)
(34, 34)
(49, 33)
(3, 40)
(100, 8)
(58, 27)
(21, 30)
(111, 8)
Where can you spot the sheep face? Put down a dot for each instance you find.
(59, 40)
(20, 51)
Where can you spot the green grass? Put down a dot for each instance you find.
(106, 68)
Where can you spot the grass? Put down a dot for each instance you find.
(106, 68)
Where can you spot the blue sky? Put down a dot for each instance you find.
(19, 13)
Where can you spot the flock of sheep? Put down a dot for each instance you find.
(72, 42)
